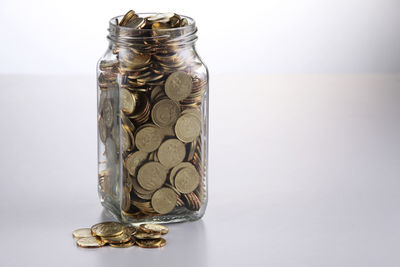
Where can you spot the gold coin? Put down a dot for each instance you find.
(134, 160)
(125, 139)
(89, 242)
(176, 169)
(157, 90)
(107, 113)
(137, 23)
(128, 16)
(141, 190)
(107, 229)
(148, 139)
(171, 153)
(151, 243)
(164, 200)
(154, 228)
(144, 235)
(111, 152)
(128, 101)
(83, 232)
(122, 238)
(130, 230)
(102, 130)
(160, 26)
(184, 22)
(126, 199)
(187, 179)
(165, 113)
(152, 175)
(128, 244)
(187, 128)
(178, 85)
(195, 111)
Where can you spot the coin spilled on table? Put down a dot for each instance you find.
(118, 235)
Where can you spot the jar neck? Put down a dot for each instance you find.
(147, 40)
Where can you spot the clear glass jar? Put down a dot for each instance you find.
(152, 125)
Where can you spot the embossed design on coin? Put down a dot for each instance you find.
(178, 85)
(171, 153)
(128, 101)
(164, 200)
(107, 229)
(148, 139)
(165, 113)
(187, 128)
(134, 160)
(187, 179)
(152, 175)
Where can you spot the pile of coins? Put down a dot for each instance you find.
(118, 235)
(155, 126)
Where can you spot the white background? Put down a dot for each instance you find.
(274, 36)
(304, 159)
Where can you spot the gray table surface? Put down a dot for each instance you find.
(304, 171)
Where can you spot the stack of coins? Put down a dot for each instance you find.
(118, 235)
(157, 127)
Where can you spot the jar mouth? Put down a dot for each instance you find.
(191, 24)
(149, 38)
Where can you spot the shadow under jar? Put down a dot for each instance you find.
(152, 125)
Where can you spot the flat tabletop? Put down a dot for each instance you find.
(304, 170)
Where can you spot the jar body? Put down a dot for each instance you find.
(152, 132)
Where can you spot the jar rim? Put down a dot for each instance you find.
(191, 23)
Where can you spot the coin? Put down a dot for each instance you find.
(122, 238)
(154, 228)
(171, 153)
(148, 139)
(128, 101)
(125, 139)
(107, 229)
(187, 179)
(126, 199)
(144, 235)
(151, 243)
(187, 127)
(102, 130)
(83, 232)
(152, 175)
(176, 169)
(140, 190)
(164, 200)
(89, 242)
(131, 230)
(111, 152)
(195, 111)
(165, 113)
(137, 23)
(134, 160)
(128, 16)
(178, 85)
(108, 113)
(128, 244)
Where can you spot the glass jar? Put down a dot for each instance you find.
(152, 124)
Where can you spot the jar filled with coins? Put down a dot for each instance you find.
(152, 120)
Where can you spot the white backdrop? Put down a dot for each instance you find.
(274, 36)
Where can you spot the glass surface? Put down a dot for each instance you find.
(152, 88)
